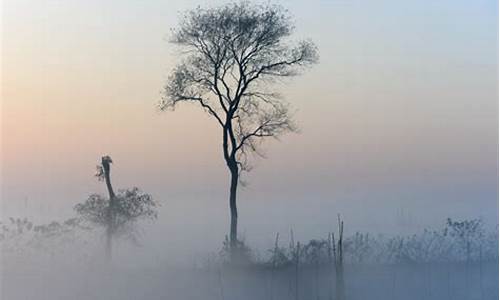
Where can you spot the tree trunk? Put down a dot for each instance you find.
(107, 176)
(233, 235)
(106, 160)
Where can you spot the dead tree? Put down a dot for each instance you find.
(338, 261)
(119, 212)
(110, 226)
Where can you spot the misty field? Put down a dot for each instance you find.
(67, 261)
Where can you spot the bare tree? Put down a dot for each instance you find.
(232, 54)
(119, 212)
(338, 256)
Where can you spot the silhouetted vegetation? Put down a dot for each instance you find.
(430, 246)
(233, 53)
(119, 212)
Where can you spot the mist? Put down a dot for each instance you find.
(392, 158)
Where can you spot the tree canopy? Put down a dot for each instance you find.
(232, 54)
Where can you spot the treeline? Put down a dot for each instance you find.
(457, 241)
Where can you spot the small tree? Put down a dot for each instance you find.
(119, 212)
(233, 53)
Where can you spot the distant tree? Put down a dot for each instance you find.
(118, 213)
(232, 54)
(23, 237)
(466, 232)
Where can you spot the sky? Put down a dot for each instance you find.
(398, 121)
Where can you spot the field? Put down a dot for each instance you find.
(66, 261)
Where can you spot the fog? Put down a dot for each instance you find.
(398, 137)
(70, 264)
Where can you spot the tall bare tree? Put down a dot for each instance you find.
(231, 55)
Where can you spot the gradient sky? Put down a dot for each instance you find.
(398, 120)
